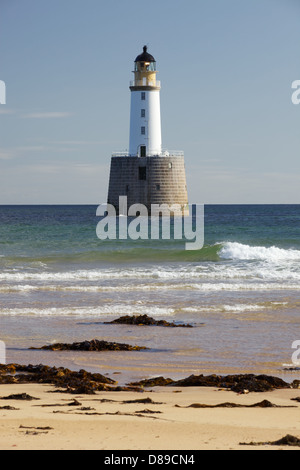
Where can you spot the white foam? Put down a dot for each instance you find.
(139, 308)
(215, 286)
(239, 308)
(240, 261)
(236, 308)
(212, 271)
(90, 311)
(18, 288)
(238, 251)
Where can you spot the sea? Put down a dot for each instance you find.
(241, 292)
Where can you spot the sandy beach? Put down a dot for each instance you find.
(61, 421)
(239, 295)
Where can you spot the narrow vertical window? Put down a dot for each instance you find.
(143, 130)
(142, 173)
(143, 113)
(143, 150)
(143, 95)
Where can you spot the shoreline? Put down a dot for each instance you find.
(156, 418)
(171, 352)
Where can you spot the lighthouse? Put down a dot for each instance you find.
(147, 174)
(145, 120)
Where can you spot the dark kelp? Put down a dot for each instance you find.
(287, 440)
(142, 320)
(261, 404)
(93, 345)
(81, 382)
(238, 383)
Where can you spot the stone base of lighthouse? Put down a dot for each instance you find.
(149, 180)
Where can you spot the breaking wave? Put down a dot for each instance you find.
(238, 251)
(224, 265)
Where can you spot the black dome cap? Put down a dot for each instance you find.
(145, 56)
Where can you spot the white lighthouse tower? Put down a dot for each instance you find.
(145, 120)
(146, 174)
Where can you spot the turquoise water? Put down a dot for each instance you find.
(59, 282)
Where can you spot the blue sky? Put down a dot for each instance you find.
(226, 68)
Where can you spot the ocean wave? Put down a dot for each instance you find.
(239, 251)
(141, 278)
(102, 311)
(215, 286)
(153, 251)
(225, 261)
(134, 309)
(223, 250)
(237, 308)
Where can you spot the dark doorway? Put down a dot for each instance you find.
(143, 151)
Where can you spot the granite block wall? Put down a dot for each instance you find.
(148, 180)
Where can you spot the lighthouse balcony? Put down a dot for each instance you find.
(121, 154)
(164, 153)
(145, 83)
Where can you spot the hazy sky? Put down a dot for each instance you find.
(226, 68)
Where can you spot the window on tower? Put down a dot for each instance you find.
(142, 173)
(143, 130)
(143, 96)
(143, 113)
(143, 151)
